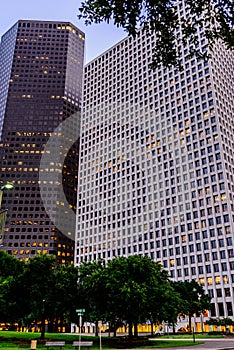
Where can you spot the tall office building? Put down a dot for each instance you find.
(156, 163)
(41, 68)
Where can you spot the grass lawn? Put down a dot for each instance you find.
(10, 346)
(190, 336)
(19, 341)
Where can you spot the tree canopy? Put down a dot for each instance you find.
(91, 285)
(38, 290)
(130, 289)
(194, 298)
(126, 290)
(227, 321)
(137, 290)
(10, 268)
(164, 18)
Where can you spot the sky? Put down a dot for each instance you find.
(99, 37)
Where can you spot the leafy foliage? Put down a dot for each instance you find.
(133, 289)
(194, 298)
(163, 18)
(10, 268)
(227, 321)
(92, 291)
(126, 290)
(65, 297)
(40, 290)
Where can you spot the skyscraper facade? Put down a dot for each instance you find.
(156, 163)
(41, 68)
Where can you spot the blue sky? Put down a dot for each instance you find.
(99, 37)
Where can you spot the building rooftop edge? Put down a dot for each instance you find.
(110, 48)
(41, 21)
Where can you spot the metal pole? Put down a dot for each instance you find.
(7, 186)
(43, 320)
(80, 331)
(100, 333)
(194, 328)
(0, 199)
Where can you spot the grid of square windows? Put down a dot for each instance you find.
(156, 163)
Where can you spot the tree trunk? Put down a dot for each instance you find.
(130, 329)
(135, 330)
(61, 324)
(96, 328)
(50, 326)
(173, 327)
(190, 323)
(43, 328)
(115, 329)
(20, 324)
(152, 328)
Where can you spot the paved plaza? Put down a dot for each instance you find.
(212, 344)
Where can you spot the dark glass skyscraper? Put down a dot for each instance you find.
(41, 67)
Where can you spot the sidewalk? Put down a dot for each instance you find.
(212, 344)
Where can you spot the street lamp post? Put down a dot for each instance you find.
(100, 333)
(6, 187)
(194, 329)
(201, 318)
(43, 320)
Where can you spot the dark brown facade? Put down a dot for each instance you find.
(41, 67)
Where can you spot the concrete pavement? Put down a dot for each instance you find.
(212, 344)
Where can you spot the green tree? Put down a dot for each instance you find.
(35, 288)
(194, 299)
(133, 289)
(5, 284)
(138, 289)
(10, 270)
(9, 266)
(226, 322)
(160, 17)
(92, 290)
(166, 304)
(38, 290)
(213, 322)
(65, 297)
(127, 288)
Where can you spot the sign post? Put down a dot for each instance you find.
(80, 313)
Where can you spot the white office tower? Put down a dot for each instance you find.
(156, 173)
